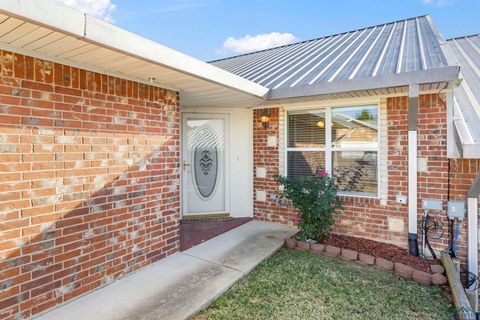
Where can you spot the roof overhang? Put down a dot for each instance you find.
(465, 118)
(50, 31)
(438, 75)
(465, 131)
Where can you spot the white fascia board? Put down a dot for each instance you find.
(108, 35)
(462, 136)
(471, 151)
(442, 74)
(52, 15)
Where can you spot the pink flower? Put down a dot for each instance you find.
(296, 218)
(323, 173)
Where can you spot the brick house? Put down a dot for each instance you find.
(382, 111)
(109, 139)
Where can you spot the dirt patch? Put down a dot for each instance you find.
(380, 250)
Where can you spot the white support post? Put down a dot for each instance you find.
(413, 92)
(328, 142)
(472, 257)
(472, 206)
(472, 252)
(412, 182)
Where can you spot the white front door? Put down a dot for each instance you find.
(204, 162)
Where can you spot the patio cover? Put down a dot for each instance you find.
(51, 31)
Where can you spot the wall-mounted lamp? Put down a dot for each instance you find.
(151, 80)
(321, 124)
(265, 119)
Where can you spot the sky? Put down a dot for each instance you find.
(214, 29)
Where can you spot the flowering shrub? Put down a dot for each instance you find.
(315, 198)
(296, 218)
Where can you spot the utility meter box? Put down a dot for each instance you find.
(456, 209)
(432, 204)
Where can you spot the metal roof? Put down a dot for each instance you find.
(407, 47)
(465, 51)
(391, 56)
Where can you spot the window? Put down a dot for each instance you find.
(306, 140)
(342, 141)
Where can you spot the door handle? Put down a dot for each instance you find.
(185, 165)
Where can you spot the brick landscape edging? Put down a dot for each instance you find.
(435, 277)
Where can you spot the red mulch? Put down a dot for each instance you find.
(380, 250)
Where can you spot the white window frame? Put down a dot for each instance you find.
(329, 149)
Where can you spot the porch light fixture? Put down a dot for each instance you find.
(265, 119)
(321, 124)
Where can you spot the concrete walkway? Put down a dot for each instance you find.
(180, 285)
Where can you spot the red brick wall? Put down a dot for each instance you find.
(89, 181)
(368, 218)
(267, 157)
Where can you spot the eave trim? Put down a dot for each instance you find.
(444, 74)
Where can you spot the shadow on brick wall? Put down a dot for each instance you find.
(71, 244)
(89, 181)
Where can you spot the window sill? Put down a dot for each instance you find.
(360, 196)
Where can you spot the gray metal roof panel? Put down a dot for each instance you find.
(387, 49)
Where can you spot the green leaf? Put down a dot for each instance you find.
(315, 198)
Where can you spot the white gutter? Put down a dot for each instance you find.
(460, 142)
(50, 14)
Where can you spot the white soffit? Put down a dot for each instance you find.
(48, 30)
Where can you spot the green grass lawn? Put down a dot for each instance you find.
(296, 285)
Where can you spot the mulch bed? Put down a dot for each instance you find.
(380, 250)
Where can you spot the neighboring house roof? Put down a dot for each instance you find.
(51, 31)
(465, 51)
(392, 54)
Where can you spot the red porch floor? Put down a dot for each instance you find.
(193, 232)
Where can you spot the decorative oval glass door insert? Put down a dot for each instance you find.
(205, 167)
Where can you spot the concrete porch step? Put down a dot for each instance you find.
(178, 286)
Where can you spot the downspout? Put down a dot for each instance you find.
(413, 92)
(472, 211)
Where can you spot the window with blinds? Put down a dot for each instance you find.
(305, 163)
(345, 145)
(306, 143)
(306, 129)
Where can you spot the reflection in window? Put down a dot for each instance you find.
(355, 127)
(353, 148)
(355, 171)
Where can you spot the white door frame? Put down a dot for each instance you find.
(227, 168)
